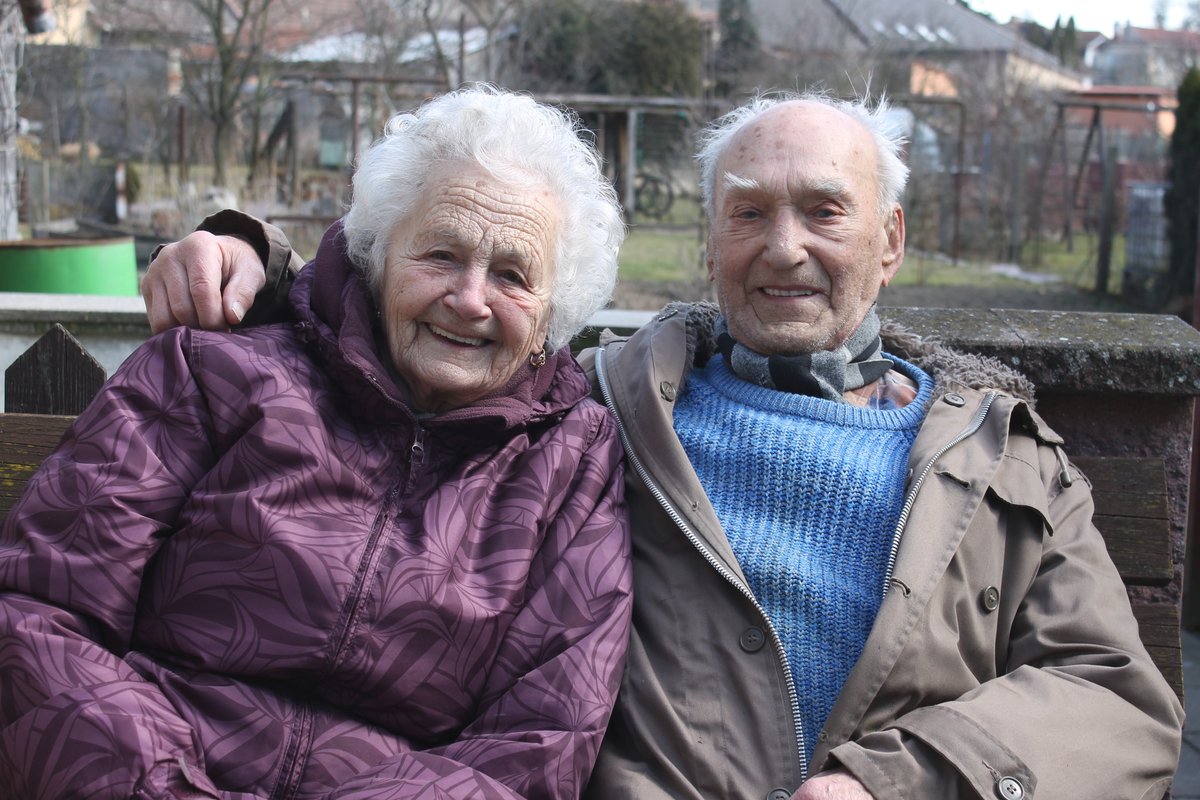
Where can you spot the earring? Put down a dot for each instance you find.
(537, 359)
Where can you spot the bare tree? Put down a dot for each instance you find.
(390, 27)
(1161, 7)
(1191, 19)
(237, 35)
(223, 45)
(491, 15)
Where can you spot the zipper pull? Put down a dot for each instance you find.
(418, 447)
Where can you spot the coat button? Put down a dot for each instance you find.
(667, 390)
(1010, 789)
(752, 640)
(778, 794)
(955, 400)
(990, 598)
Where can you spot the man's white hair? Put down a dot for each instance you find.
(887, 133)
(513, 137)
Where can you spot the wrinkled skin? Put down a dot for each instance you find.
(466, 287)
(833, 785)
(799, 247)
(202, 281)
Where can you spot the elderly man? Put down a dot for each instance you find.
(862, 568)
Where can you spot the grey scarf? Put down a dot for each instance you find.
(826, 373)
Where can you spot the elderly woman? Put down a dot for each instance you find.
(380, 552)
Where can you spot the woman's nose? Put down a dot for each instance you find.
(468, 294)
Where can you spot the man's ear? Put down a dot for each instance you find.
(893, 253)
(709, 260)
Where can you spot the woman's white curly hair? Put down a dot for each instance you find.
(505, 133)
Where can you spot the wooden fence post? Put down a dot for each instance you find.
(54, 376)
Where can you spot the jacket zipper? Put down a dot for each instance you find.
(368, 567)
(972, 427)
(793, 700)
(371, 553)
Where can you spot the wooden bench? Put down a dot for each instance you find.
(56, 378)
(44, 389)
(1132, 515)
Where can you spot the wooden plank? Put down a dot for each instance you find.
(1158, 624)
(25, 440)
(1133, 516)
(56, 375)
(1140, 549)
(1126, 486)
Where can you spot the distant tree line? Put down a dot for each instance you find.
(1061, 41)
(602, 47)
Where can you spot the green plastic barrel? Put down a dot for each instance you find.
(69, 266)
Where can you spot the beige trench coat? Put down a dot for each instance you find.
(1004, 662)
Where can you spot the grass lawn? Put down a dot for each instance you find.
(654, 254)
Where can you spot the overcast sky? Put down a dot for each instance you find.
(1096, 15)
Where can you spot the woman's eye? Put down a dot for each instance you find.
(511, 276)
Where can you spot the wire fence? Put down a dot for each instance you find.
(1075, 196)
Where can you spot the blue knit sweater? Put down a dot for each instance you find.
(809, 493)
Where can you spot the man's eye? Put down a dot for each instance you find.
(511, 276)
(747, 213)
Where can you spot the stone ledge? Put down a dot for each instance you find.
(1075, 351)
(1058, 350)
(21, 310)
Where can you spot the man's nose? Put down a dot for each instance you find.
(787, 243)
(468, 295)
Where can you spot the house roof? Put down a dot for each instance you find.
(922, 26)
(1185, 40)
(356, 46)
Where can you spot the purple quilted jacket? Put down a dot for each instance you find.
(250, 571)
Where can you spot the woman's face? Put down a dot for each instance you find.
(466, 285)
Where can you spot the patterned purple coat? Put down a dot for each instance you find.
(250, 571)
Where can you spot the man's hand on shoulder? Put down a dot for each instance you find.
(832, 785)
(202, 281)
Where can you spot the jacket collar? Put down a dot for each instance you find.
(335, 312)
(952, 370)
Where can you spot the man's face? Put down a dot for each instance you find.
(798, 246)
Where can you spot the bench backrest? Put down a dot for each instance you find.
(25, 441)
